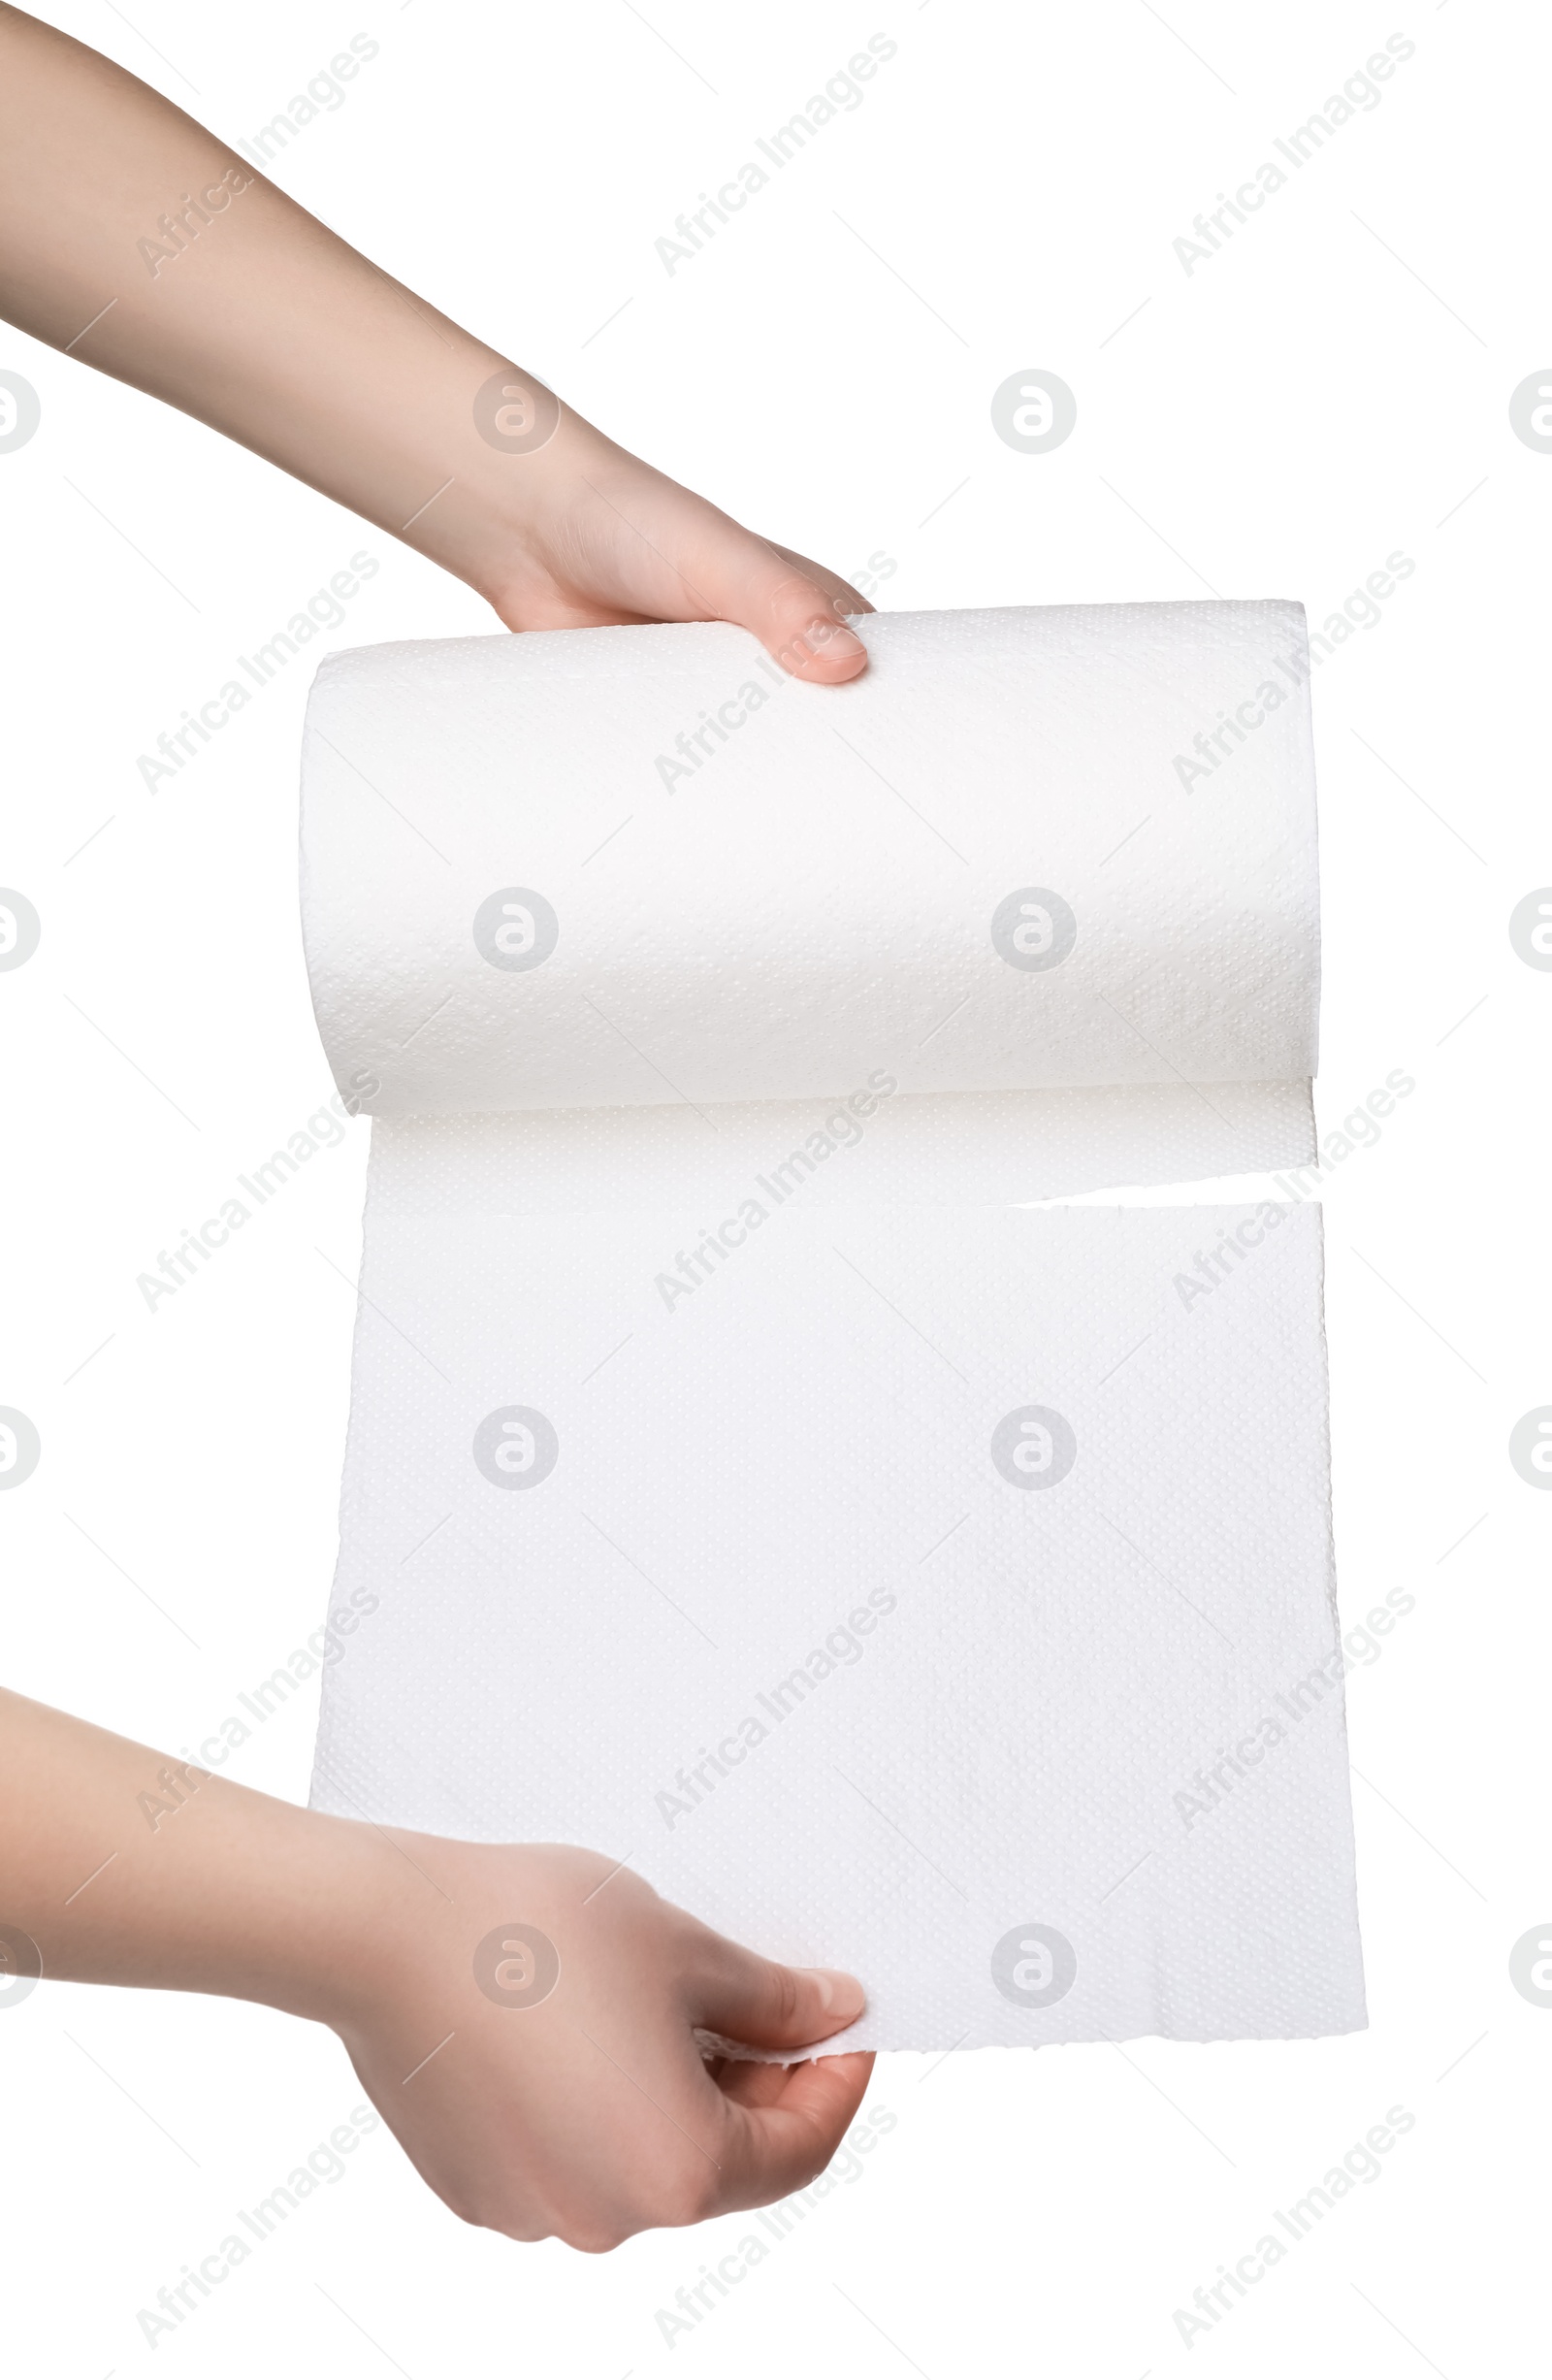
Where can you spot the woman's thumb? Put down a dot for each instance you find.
(748, 1998)
(797, 610)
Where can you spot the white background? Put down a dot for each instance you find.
(1329, 389)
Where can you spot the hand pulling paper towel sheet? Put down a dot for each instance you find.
(743, 1480)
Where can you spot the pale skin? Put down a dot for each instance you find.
(274, 330)
(594, 2113)
(589, 2116)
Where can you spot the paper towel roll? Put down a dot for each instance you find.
(542, 872)
(680, 991)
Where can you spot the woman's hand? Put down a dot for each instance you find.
(600, 537)
(524, 2015)
(141, 244)
(530, 2039)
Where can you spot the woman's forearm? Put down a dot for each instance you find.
(204, 284)
(523, 2015)
(135, 241)
(122, 1865)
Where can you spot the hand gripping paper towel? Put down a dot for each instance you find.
(745, 1478)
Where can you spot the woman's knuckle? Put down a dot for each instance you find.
(593, 2238)
(689, 2194)
(786, 1994)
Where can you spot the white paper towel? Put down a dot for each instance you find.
(745, 1489)
(824, 894)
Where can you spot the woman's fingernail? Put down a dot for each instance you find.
(835, 1989)
(833, 639)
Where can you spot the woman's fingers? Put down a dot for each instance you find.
(611, 539)
(843, 596)
(721, 570)
(746, 1997)
(785, 2123)
(796, 610)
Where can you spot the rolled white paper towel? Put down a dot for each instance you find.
(541, 872)
(703, 1374)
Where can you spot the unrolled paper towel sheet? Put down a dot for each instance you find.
(747, 1488)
